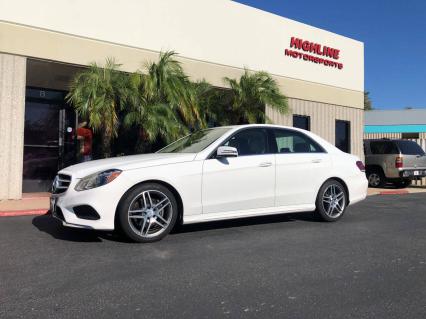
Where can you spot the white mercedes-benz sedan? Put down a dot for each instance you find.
(213, 174)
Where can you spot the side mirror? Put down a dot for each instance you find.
(226, 151)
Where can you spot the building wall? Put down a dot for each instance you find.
(12, 111)
(218, 31)
(323, 117)
(55, 46)
(389, 135)
(214, 39)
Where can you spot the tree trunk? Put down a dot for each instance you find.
(142, 146)
(106, 144)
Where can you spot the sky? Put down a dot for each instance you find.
(394, 36)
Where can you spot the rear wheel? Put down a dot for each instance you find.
(376, 178)
(147, 213)
(331, 201)
(403, 183)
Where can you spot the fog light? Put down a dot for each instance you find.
(406, 174)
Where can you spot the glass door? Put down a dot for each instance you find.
(48, 138)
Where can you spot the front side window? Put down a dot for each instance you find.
(196, 142)
(289, 141)
(249, 142)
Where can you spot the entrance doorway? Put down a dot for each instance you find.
(50, 123)
(49, 138)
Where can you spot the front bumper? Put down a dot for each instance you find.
(90, 209)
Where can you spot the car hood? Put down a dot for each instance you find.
(126, 163)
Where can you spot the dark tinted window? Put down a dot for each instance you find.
(289, 141)
(383, 147)
(249, 142)
(410, 135)
(410, 148)
(301, 121)
(343, 133)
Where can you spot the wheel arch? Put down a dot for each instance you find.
(163, 183)
(345, 186)
(369, 168)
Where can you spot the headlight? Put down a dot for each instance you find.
(97, 179)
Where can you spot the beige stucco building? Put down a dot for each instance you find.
(43, 43)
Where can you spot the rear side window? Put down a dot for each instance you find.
(410, 148)
(383, 147)
(289, 141)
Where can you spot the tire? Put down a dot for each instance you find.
(331, 201)
(403, 183)
(147, 213)
(376, 178)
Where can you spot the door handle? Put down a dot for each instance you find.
(317, 160)
(265, 164)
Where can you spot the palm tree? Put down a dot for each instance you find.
(162, 101)
(204, 98)
(151, 114)
(167, 83)
(250, 94)
(368, 105)
(96, 94)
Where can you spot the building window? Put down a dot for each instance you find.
(343, 133)
(302, 121)
(410, 135)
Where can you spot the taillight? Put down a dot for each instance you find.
(398, 162)
(360, 166)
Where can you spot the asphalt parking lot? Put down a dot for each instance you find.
(371, 264)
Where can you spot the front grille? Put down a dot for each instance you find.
(61, 183)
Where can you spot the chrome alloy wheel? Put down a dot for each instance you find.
(334, 201)
(374, 179)
(150, 213)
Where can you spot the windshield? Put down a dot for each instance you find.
(410, 148)
(196, 142)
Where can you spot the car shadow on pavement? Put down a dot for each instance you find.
(249, 221)
(52, 226)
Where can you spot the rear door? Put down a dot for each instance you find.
(384, 154)
(302, 165)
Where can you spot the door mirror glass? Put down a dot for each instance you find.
(226, 151)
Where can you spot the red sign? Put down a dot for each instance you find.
(314, 52)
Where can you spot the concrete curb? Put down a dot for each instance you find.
(394, 192)
(30, 212)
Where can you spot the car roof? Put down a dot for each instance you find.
(265, 125)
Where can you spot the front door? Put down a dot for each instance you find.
(244, 182)
(48, 138)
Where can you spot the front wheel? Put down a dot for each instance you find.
(331, 201)
(147, 213)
